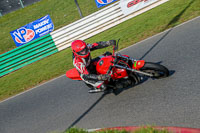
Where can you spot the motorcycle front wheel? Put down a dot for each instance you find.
(157, 70)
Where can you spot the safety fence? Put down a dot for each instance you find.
(61, 38)
(27, 54)
(7, 6)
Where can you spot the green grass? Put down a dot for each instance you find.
(152, 22)
(62, 12)
(140, 130)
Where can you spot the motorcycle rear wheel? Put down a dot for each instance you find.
(157, 70)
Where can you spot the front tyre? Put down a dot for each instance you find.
(157, 70)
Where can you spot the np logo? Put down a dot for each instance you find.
(24, 35)
(105, 1)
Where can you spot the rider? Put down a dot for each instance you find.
(87, 66)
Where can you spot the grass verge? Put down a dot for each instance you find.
(136, 29)
(141, 130)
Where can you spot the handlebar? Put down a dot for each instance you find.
(119, 56)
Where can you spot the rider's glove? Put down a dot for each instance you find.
(103, 77)
(111, 42)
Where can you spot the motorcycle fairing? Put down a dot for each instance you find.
(119, 73)
(138, 64)
(73, 74)
(104, 64)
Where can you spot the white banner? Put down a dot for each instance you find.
(130, 6)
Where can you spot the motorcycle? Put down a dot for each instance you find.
(124, 71)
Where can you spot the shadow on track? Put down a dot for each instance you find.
(177, 17)
(87, 111)
(155, 44)
(173, 21)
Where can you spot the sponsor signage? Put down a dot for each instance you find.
(101, 3)
(130, 6)
(32, 30)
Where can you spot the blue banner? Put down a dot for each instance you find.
(101, 3)
(32, 30)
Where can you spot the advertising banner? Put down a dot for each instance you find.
(101, 3)
(32, 30)
(130, 6)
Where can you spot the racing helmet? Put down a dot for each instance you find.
(80, 49)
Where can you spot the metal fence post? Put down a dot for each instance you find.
(21, 3)
(79, 10)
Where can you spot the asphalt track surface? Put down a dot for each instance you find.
(173, 101)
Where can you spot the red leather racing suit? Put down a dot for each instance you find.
(87, 66)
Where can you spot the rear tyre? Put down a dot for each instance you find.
(157, 70)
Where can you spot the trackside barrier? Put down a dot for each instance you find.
(60, 39)
(27, 54)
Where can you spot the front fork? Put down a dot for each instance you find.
(137, 64)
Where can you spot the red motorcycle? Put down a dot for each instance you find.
(124, 71)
